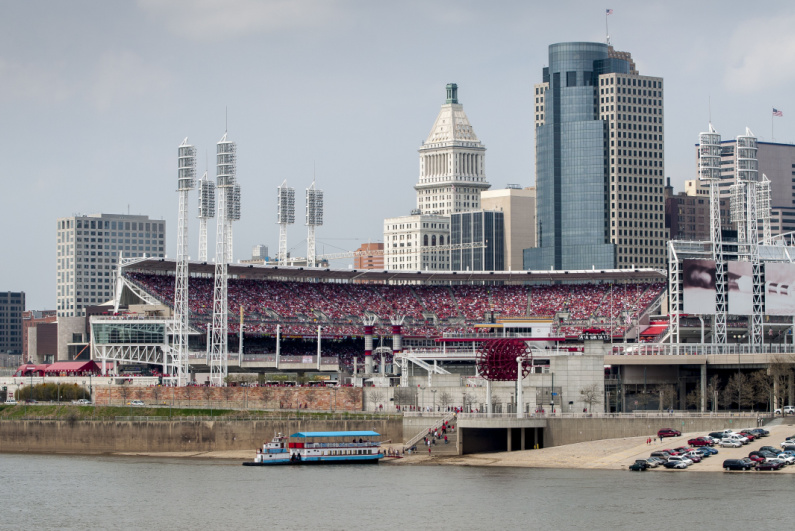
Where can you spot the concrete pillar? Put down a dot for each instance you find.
(775, 394)
(535, 437)
(791, 386)
(510, 433)
(488, 397)
(703, 384)
(522, 446)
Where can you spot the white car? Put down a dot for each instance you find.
(11, 401)
(680, 459)
(787, 410)
(730, 443)
(136, 403)
(787, 458)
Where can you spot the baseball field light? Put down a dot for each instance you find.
(314, 219)
(285, 215)
(206, 212)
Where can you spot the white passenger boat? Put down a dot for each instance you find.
(320, 447)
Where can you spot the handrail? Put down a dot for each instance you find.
(411, 442)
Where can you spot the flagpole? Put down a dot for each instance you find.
(607, 31)
(772, 136)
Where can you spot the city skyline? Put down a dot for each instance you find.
(97, 97)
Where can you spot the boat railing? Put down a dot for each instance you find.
(368, 444)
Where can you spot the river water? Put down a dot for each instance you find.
(77, 492)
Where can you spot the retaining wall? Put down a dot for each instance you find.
(98, 437)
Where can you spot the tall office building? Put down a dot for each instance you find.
(599, 162)
(483, 227)
(12, 305)
(452, 176)
(88, 250)
(519, 206)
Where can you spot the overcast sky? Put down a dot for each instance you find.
(95, 97)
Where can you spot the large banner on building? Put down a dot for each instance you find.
(699, 286)
(741, 288)
(779, 288)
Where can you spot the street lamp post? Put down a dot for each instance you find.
(422, 390)
(519, 399)
(434, 398)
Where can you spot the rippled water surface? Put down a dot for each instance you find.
(74, 492)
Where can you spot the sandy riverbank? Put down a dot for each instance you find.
(608, 454)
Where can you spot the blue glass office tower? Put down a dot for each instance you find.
(582, 219)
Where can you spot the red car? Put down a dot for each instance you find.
(751, 436)
(668, 432)
(756, 458)
(700, 441)
(671, 451)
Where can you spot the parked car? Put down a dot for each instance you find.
(738, 464)
(81, 401)
(719, 435)
(661, 454)
(747, 434)
(788, 459)
(671, 451)
(786, 410)
(769, 449)
(731, 443)
(11, 401)
(703, 452)
(712, 451)
(668, 432)
(756, 458)
(674, 464)
(761, 431)
(700, 441)
(788, 445)
(136, 403)
(639, 466)
(682, 459)
(769, 465)
(654, 462)
(693, 456)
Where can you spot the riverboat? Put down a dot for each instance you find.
(320, 447)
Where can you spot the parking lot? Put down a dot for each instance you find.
(714, 463)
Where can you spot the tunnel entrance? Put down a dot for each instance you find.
(486, 440)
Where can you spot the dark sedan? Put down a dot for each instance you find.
(738, 464)
(769, 465)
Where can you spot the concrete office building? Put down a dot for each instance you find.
(404, 235)
(87, 253)
(369, 256)
(519, 208)
(599, 162)
(12, 305)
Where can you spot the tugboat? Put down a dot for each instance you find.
(320, 447)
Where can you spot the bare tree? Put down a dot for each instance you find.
(207, 391)
(762, 384)
(739, 391)
(713, 392)
(124, 391)
(468, 398)
(591, 395)
(404, 396)
(376, 396)
(496, 403)
(156, 392)
(693, 398)
(188, 392)
(667, 396)
(139, 393)
(227, 391)
(265, 396)
(445, 399)
(780, 371)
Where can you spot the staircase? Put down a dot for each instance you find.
(442, 449)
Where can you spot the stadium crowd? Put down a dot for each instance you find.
(427, 310)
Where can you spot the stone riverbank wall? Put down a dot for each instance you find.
(310, 398)
(105, 436)
(560, 431)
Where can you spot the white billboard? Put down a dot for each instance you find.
(780, 288)
(699, 286)
(741, 288)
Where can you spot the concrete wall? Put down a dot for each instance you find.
(66, 327)
(97, 437)
(309, 398)
(574, 430)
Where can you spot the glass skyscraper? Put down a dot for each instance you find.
(585, 218)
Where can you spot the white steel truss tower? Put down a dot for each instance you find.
(747, 172)
(314, 218)
(709, 170)
(763, 208)
(225, 179)
(285, 215)
(186, 175)
(206, 211)
(232, 215)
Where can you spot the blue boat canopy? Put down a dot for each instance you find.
(301, 434)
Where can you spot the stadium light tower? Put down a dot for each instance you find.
(206, 211)
(186, 181)
(232, 214)
(709, 170)
(285, 215)
(225, 180)
(747, 171)
(314, 218)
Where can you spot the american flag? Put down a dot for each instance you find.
(776, 112)
(608, 12)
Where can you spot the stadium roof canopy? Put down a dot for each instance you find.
(273, 272)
